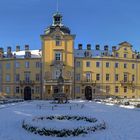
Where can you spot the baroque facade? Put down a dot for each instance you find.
(88, 73)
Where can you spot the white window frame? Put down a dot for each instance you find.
(17, 65)
(27, 64)
(58, 56)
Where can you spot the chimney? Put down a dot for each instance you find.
(17, 48)
(80, 46)
(8, 49)
(106, 48)
(26, 47)
(88, 46)
(113, 48)
(97, 47)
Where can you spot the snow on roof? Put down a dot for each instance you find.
(21, 54)
(92, 53)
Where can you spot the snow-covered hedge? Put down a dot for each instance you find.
(8, 101)
(64, 132)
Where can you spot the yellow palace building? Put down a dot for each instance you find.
(87, 73)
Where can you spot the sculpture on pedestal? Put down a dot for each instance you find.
(60, 96)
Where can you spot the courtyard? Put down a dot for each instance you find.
(121, 123)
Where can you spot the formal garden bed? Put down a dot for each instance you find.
(64, 126)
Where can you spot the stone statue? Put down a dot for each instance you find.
(60, 96)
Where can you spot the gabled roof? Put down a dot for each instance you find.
(125, 43)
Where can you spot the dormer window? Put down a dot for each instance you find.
(27, 54)
(87, 54)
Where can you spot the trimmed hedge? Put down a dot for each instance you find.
(64, 132)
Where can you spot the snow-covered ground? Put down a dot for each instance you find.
(122, 123)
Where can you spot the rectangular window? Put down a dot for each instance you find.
(77, 90)
(37, 64)
(98, 89)
(116, 65)
(58, 56)
(116, 77)
(17, 89)
(58, 43)
(125, 65)
(133, 66)
(125, 78)
(116, 89)
(78, 64)
(125, 55)
(125, 89)
(133, 89)
(17, 64)
(117, 54)
(37, 89)
(107, 89)
(17, 77)
(8, 65)
(88, 77)
(27, 64)
(27, 76)
(7, 77)
(78, 77)
(133, 77)
(37, 77)
(97, 64)
(97, 77)
(107, 77)
(107, 65)
(7, 89)
(88, 64)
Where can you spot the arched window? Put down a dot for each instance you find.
(58, 40)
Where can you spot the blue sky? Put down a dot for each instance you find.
(104, 22)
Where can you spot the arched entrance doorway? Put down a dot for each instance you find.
(27, 93)
(88, 93)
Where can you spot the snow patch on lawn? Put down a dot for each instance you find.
(128, 107)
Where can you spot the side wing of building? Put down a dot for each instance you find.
(20, 73)
(104, 73)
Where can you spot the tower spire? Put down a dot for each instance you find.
(57, 6)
